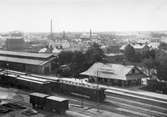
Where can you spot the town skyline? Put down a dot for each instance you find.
(83, 15)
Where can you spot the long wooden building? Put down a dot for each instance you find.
(114, 74)
(27, 62)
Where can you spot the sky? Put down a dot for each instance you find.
(83, 15)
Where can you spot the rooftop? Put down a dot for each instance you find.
(22, 60)
(25, 54)
(109, 71)
(60, 99)
(39, 94)
(135, 46)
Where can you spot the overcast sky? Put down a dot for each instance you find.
(81, 15)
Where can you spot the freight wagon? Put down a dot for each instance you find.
(49, 103)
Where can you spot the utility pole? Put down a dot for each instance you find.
(82, 103)
(97, 92)
(7, 64)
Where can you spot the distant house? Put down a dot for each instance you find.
(114, 74)
(137, 47)
(88, 36)
(154, 45)
(27, 62)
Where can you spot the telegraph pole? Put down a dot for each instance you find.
(7, 64)
(97, 92)
(82, 103)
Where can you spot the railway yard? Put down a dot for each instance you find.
(117, 103)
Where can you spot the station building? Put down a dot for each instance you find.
(114, 74)
(27, 62)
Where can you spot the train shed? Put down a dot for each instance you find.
(27, 62)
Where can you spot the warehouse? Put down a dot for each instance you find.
(27, 62)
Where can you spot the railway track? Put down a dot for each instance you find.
(120, 104)
(123, 102)
(146, 107)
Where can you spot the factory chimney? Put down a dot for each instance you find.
(51, 30)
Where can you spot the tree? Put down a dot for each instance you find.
(151, 65)
(94, 54)
(162, 67)
(129, 52)
(76, 62)
(163, 46)
(64, 70)
(65, 57)
(71, 63)
(149, 54)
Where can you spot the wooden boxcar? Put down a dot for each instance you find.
(56, 104)
(38, 100)
(49, 103)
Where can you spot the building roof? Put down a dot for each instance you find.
(138, 46)
(123, 47)
(114, 54)
(22, 60)
(59, 99)
(109, 71)
(25, 54)
(39, 94)
(135, 46)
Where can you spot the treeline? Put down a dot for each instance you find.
(155, 61)
(71, 63)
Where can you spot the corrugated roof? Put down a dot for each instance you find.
(39, 94)
(21, 60)
(26, 54)
(110, 71)
(60, 99)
